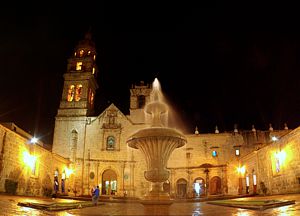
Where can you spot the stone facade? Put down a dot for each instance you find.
(276, 165)
(17, 166)
(96, 146)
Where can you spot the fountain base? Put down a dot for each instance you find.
(157, 196)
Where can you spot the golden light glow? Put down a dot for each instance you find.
(241, 170)
(29, 160)
(93, 72)
(81, 52)
(68, 172)
(71, 92)
(78, 92)
(281, 156)
(78, 65)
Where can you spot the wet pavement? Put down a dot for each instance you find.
(8, 206)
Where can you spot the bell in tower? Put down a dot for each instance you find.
(80, 80)
(139, 96)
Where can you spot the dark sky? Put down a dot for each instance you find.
(216, 66)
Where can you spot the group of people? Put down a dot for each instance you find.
(95, 195)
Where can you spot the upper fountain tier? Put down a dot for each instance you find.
(156, 108)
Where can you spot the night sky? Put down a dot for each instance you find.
(215, 66)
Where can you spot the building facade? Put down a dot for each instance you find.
(29, 168)
(90, 150)
(209, 164)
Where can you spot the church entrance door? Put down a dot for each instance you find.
(181, 188)
(199, 188)
(109, 182)
(215, 185)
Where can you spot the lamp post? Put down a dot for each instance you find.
(34, 140)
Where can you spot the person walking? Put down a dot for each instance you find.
(95, 196)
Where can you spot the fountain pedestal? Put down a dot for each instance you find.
(156, 143)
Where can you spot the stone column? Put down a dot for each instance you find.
(122, 177)
(132, 190)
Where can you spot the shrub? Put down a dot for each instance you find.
(10, 186)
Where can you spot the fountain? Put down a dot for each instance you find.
(156, 142)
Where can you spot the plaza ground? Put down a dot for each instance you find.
(8, 206)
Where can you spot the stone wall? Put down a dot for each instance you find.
(277, 164)
(36, 179)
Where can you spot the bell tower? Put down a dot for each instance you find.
(80, 81)
(77, 101)
(139, 97)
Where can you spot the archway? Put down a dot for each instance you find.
(181, 187)
(109, 182)
(215, 185)
(199, 187)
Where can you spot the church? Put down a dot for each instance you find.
(91, 150)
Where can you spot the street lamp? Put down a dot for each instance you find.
(241, 171)
(34, 140)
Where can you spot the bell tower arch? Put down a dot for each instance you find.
(80, 81)
(77, 101)
(139, 96)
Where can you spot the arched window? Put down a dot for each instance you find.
(78, 92)
(91, 96)
(89, 52)
(93, 72)
(94, 57)
(110, 144)
(81, 52)
(71, 91)
(141, 101)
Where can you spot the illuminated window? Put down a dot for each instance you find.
(78, 66)
(279, 160)
(214, 153)
(89, 52)
(33, 168)
(277, 164)
(93, 72)
(78, 92)
(237, 152)
(75, 54)
(81, 52)
(91, 97)
(110, 145)
(94, 57)
(71, 93)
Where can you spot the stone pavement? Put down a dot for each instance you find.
(8, 206)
